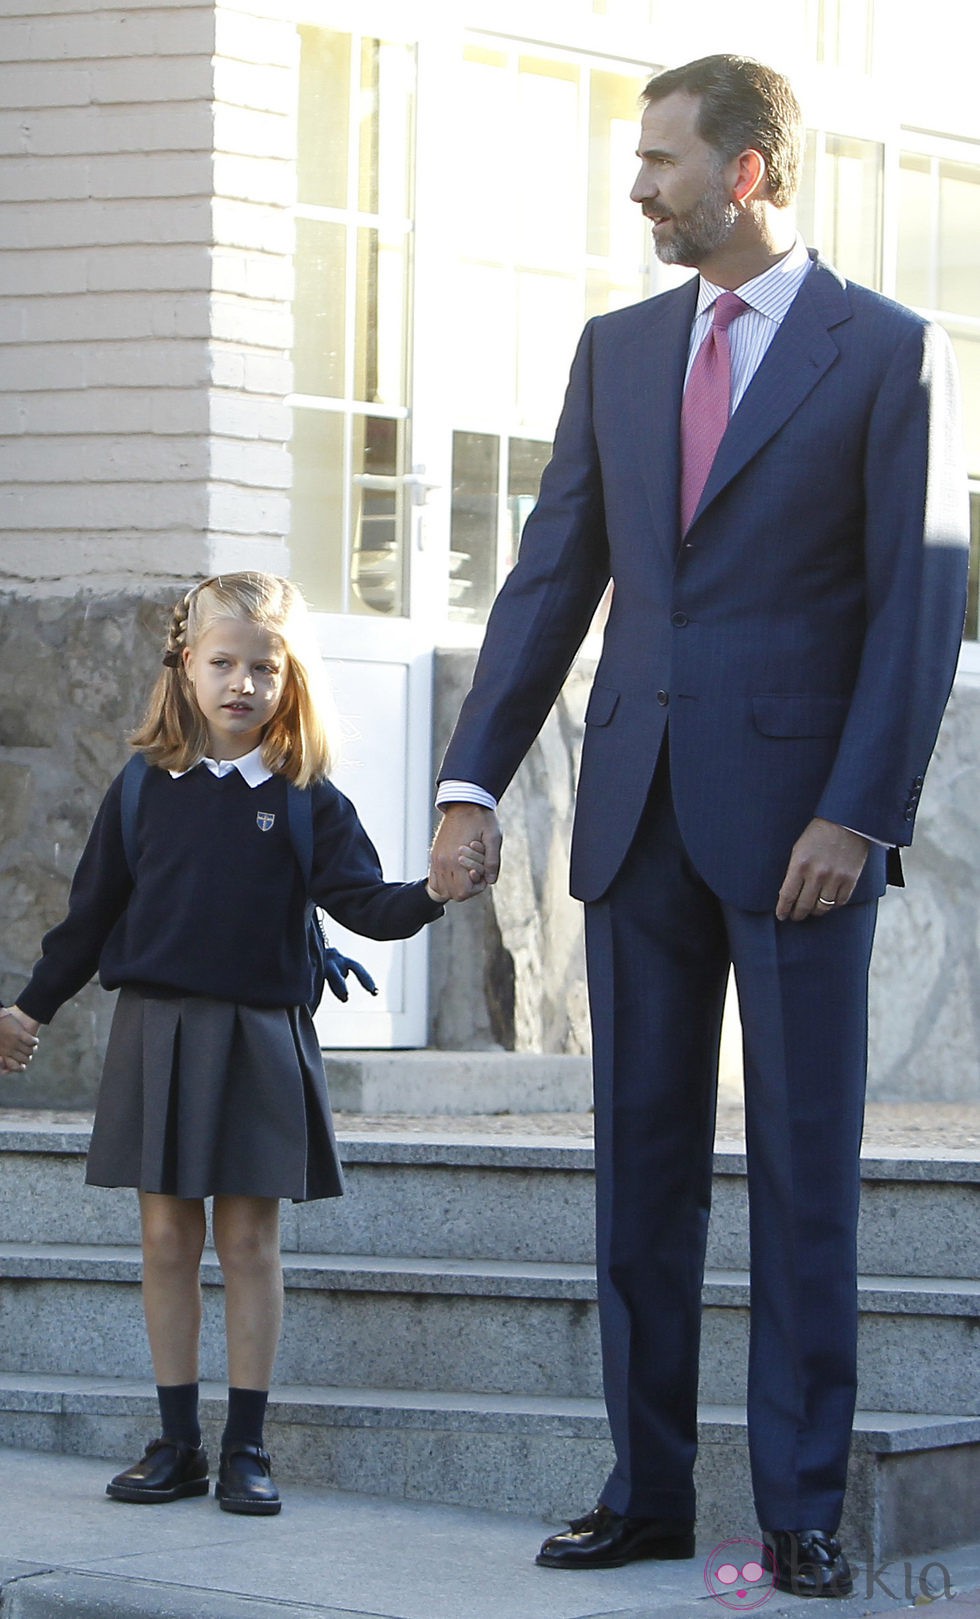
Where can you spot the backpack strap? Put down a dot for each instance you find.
(299, 808)
(134, 775)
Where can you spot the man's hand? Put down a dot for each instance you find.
(825, 864)
(18, 1040)
(465, 855)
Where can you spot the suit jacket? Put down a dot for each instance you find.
(801, 638)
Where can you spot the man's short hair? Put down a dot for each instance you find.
(743, 105)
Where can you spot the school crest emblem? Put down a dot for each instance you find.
(265, 820)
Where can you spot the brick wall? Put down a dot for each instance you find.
(145, 283)
(105, 226)
(255, 82)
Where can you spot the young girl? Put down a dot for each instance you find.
(213, 1083)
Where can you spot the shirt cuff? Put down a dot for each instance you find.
(868, 838)
(464, 792)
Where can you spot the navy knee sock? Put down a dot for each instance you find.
(246, 1417)
(178, 1412)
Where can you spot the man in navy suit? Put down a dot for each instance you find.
(774, 670)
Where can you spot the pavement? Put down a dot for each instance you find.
(65, 1549)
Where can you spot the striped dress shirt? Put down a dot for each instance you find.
(768, 296)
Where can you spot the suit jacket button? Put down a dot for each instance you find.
(662, 699)
(678, 619)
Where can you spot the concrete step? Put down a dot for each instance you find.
(452, 1083)
(513, 1200)
(489, 1326)
(914, 1480)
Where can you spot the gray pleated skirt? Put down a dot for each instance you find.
(201, 1097)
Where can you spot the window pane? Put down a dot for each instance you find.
(483, 212)
(316, 540)
(473, 541)
(527, 459)
(614, 231)
(844, 34)
(549, 319)
(634, 11)
(852, 207)
(603, 295)
(385, 156)
(968, 358)
(806, 198)
(481, 330)
(324, 117)
(913, 281)
(549, 184)
(377, 555)
(959, 238)
(319, 308)
(379, 344)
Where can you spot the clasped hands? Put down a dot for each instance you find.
(18, 1039)
(465, 856)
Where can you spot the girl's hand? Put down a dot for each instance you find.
(18, 1039)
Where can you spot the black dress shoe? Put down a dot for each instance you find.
(245, 1482)
(807, 1563)
(167, 1470)
(605, 1539)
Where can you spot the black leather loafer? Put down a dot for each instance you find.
(605, 1539)
(807, 1563)
(245, 1482)
(168, 1470)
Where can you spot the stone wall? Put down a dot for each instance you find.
(74, 678)
(925, 977)
(508, 969)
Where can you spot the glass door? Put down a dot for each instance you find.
(356, 502)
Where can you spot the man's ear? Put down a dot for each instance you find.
(750, 176)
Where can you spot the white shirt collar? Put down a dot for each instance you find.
(772, 292)
(251, 767)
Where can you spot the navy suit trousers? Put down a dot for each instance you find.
(660, 945)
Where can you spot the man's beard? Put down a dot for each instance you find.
(701, 231)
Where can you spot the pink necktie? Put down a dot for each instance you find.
(706, 407)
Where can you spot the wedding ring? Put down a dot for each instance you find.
(822, 901)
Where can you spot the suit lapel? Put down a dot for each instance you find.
(656, 367)
(798, 356)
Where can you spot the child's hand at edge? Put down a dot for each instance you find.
(18, 1039)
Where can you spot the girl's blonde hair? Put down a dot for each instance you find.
(297, 742)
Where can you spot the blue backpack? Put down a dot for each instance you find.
(299, 806)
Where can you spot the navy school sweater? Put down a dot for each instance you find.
(218, 906)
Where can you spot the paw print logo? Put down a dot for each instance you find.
(736, 1575)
